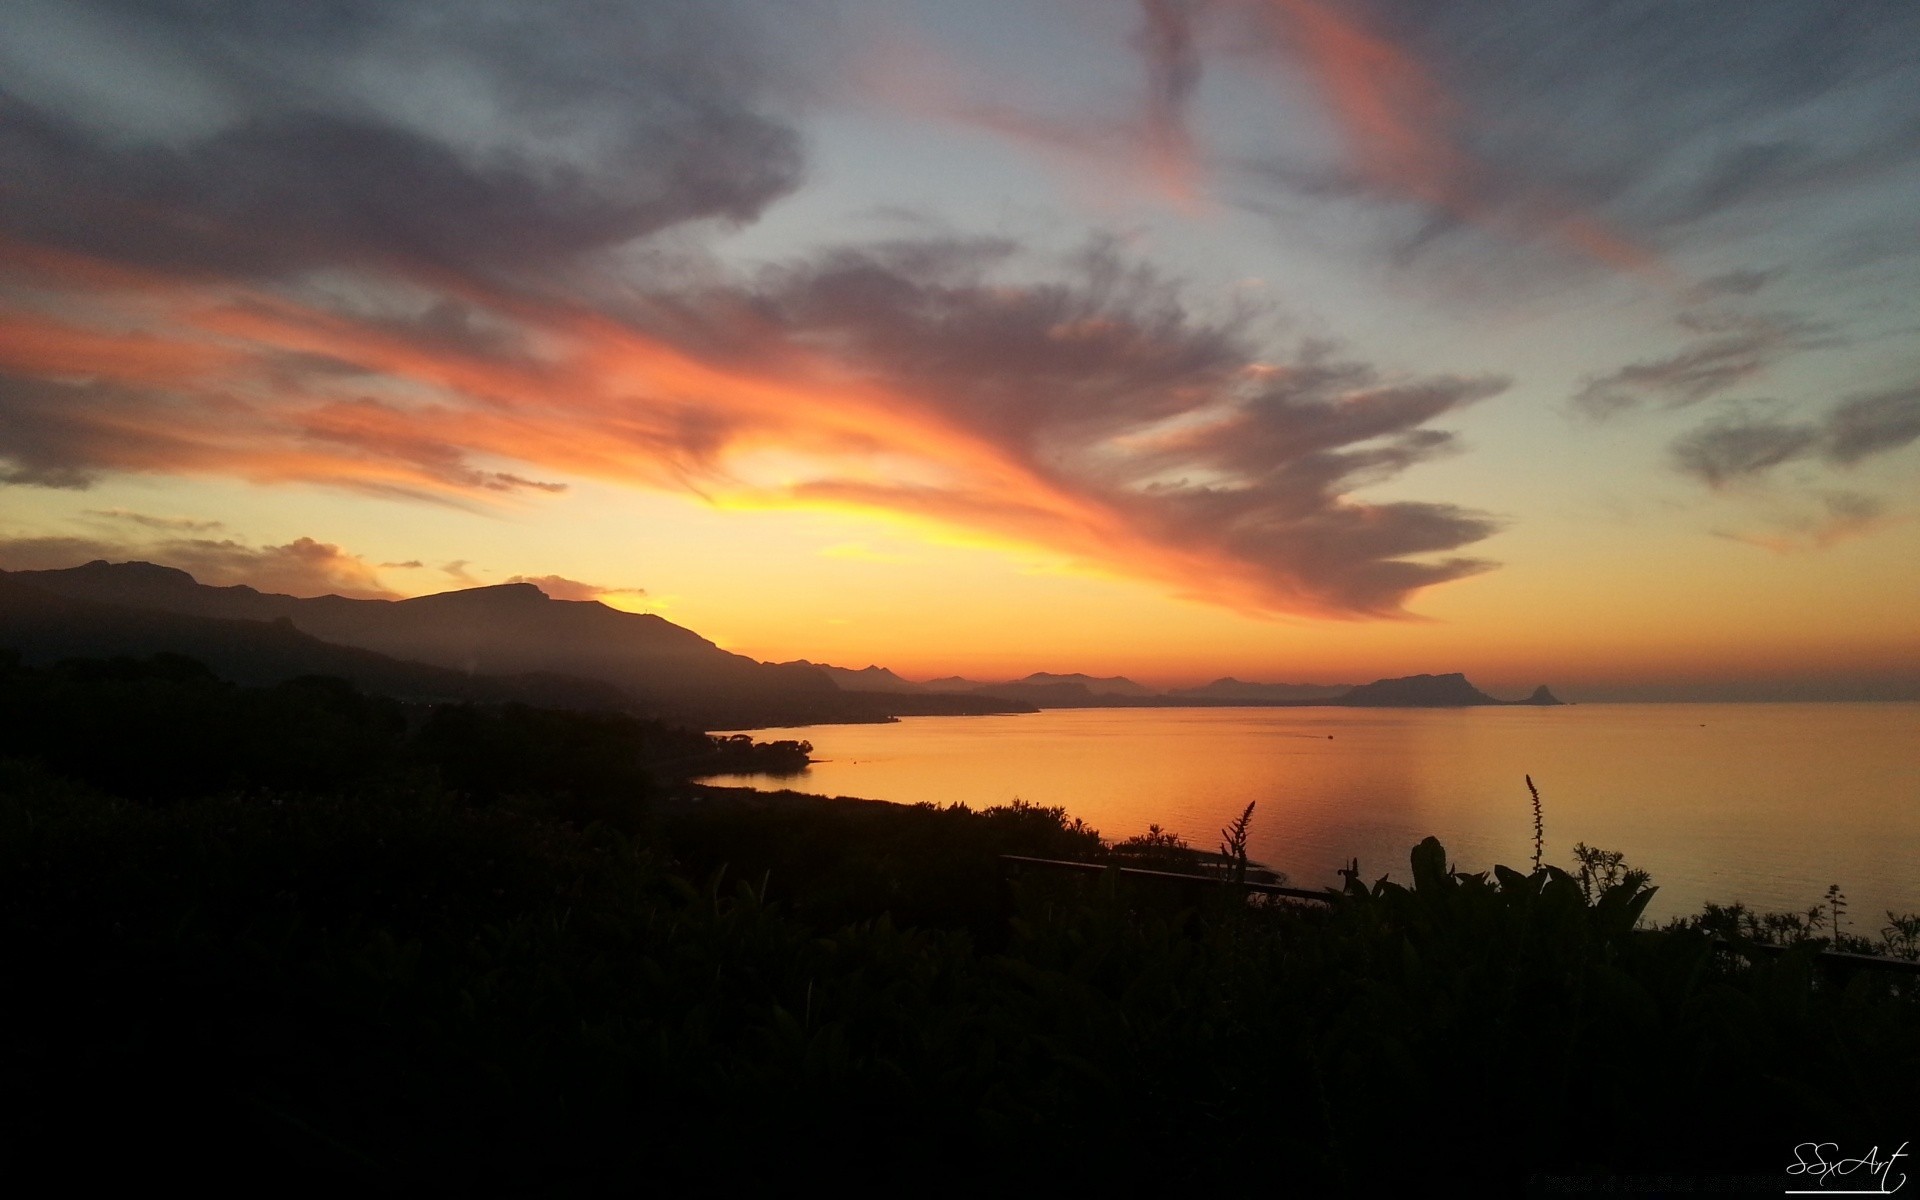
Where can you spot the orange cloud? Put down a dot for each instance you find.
(39, 345)
(1024, 413)
(561, 588)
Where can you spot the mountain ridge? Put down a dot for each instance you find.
(515, 629)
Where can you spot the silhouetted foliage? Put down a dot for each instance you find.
(165, 728)
(442, 973)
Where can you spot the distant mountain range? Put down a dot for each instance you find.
(512, 641)
(1233, 691)
(572, 647)
(1045, 690)
(45, 627)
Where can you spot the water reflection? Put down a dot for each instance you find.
(1762, 803)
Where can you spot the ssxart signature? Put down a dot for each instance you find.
(1832, 1173)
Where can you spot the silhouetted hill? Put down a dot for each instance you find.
(496, 630)
(866, 679)
(1417, 691)
(516, 629)
(1046, 690)
(1112, 685)
(45, 627)
(950, 683)
(1049, 695)
(1230, 689)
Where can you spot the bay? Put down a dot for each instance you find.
(1762, 803)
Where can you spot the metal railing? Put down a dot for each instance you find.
(1839, 961)
(1020, 862)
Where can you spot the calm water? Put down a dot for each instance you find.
(1766, 803)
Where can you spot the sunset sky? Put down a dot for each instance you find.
(1294, 340)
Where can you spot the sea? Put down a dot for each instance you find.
(1765, 804)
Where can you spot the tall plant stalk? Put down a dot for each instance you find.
(1539, 830)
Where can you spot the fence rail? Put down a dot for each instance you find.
(1839, 960)
(1016, 864)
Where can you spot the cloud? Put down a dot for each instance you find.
(380, 249)
(1102, 419)
(1743, 281)
(561, 588)
(1409, 136)
(1611, 131)
(1148, 143)
(147, 521)
(934, 379)
(54, 552)
(1727, 350)
(1838, 517)
(302, 567)
(1730, 449)
(1166, 45)
(1863, 426)
(281, 137)
(1739, 445)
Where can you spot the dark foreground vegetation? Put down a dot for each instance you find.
(300, 935)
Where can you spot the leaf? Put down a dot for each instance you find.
(1638, 905)
(1429, 866)
(1512, 880)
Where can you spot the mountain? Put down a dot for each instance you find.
(515, 629)
(1230, 689)
(44, 627)
(1541, 696)
(601, 656)
(508, 629)
(1416, 691)
(1112, 685)
(951, 683)
(1051, 695)
(866, 679)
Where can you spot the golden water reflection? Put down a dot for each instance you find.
(1765, 803)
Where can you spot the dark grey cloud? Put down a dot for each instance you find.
(1729, 449)
(1740, 444)
(149, 521)
(1727, 350)
(1318, 405)
(1743, 281)
(1166, 43)
(1863, 426)
(483, 137)
(60, 434)
(1651, 117)
(1106, 345)
(1667, 113)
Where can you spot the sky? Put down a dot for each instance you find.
(1292, 340)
